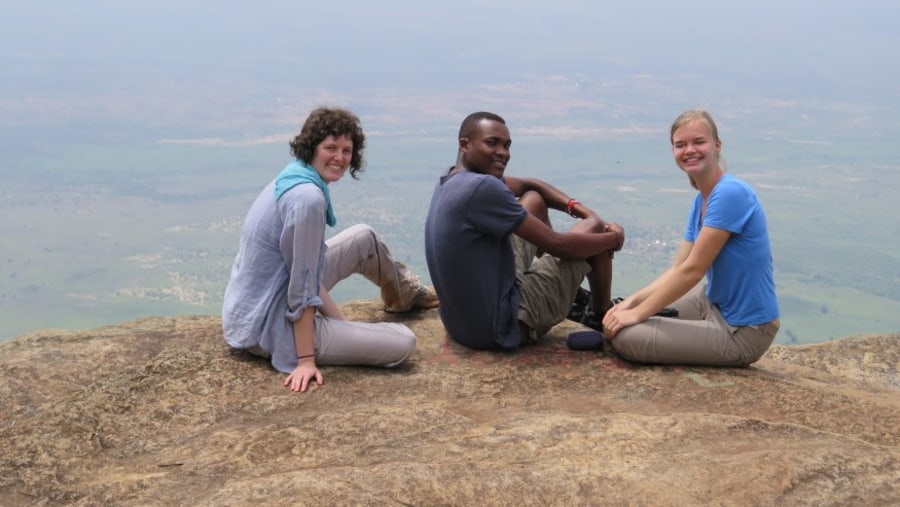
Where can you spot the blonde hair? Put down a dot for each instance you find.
(690, 116)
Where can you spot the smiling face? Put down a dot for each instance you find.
(486, 149)
(695, 149)
(332, 157)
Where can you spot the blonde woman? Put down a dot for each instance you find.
(733, 318)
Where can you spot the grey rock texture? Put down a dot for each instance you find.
(159, 411)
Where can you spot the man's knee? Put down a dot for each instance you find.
(533, 202)
(590, 224)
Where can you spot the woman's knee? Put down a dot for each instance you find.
(625, 347)
(404, 345)
(362, 232)
(363, 238)
(410, 344)
(754, 353)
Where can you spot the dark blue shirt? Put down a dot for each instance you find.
(470, 259)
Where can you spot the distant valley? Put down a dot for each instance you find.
(139, 214)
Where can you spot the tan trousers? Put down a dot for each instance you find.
(699, 336)
(359, 250)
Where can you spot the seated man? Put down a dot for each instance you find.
(503, 275)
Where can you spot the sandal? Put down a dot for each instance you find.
(592, 320)
(582, 301)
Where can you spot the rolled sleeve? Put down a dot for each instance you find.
(303, 246)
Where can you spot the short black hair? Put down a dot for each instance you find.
(468, 125)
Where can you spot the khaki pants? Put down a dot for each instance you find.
(547, 286)
(344, 342)
(699, 335)
(356, 250)
(359, 250)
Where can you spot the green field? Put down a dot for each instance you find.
(97, 234)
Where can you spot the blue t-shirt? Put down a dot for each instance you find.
(470, 259)
(740, 279)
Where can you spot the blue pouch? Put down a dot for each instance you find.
(585, 340)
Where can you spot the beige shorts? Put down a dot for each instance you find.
(547, 286)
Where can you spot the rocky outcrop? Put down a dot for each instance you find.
(159, 411)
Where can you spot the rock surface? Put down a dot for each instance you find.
(159, 411)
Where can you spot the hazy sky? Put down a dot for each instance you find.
(101, 45)
(101, 69)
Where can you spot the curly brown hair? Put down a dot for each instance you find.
(324, 122)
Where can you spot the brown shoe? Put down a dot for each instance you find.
(425, 298)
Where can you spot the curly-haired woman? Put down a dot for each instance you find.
(277, 303)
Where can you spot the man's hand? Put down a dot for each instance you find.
(583, 212)
(620, 234)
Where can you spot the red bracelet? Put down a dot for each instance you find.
(570, 207)
(304, 356)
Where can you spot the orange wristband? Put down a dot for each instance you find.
(570, 207)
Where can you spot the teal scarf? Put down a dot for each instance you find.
(298, 172)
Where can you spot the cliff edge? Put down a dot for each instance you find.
(159, 411)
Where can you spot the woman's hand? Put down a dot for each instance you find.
(620, 316)
(625, 304)
(299, 379)
(613, 322)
